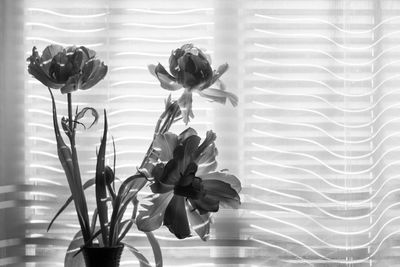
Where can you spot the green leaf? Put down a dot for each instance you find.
(88, 184)
(125, 226)
(101, 190)
(65, 157)
(142, 259)
(94, 220)
(156, 249)
(82, 114)
(74, 261)
(134, 182)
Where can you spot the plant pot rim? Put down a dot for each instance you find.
(97, 246)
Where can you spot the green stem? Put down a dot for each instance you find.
(77, 174)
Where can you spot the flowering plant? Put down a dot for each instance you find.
(180, 169)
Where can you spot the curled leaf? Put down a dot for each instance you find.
(82, 114)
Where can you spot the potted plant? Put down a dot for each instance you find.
(181, 170)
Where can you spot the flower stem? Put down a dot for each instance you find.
(77, 174)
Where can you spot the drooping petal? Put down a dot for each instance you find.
(97, 70)
(175, 217)
(200, 223)
(222, 192)
(167, 81)
(220, 96)
(185, 103)
(165, 145)
(220, 71)
(205, 204)
(151, 218)
(226, 177)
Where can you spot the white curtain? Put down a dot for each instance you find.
(315, 139)
(321, 95)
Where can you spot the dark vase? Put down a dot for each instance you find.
(96, 256)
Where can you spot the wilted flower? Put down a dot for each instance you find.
(191, 69)
(70, 68)
(187, 188)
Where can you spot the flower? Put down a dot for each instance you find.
(186, 188)
(191, 69)
(70, 68)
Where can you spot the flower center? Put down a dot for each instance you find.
(193, 191)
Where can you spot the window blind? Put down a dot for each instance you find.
(315, 137)
(322, 131)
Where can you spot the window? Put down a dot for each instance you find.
(315, 139)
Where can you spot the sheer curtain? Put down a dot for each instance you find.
(314, 140)
(322, 131)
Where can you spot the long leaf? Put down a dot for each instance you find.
(101, 190)
(65, 157)
(122, 234)
(94, 220)
(125, 226)
(88, 184)
(156, 249)
(74, 246)
(142, 259)
(127, 184)
(82, 113)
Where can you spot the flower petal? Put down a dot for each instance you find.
(173, 61)
(165, 145)
(207, 162)
(190, 146)
(97, 71)
(220, 96)
(171, 174)
(185, 103)
(223, 192)
(167, 81)
(221, 70)
(200, 223)
(205, 204)
(151, 218)
(186, 134)
(71, 85)
(175, 217)
(50, 51)
(161, 188)
(36, 71)
(88, 52)
(226, 177)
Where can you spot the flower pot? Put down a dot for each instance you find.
(96, 256)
